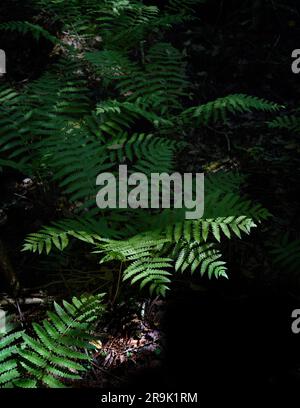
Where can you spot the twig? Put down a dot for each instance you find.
(27, 301)
(118, 284)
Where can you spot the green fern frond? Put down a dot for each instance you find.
(122, 111)
(162, 81)
(224, 181)
(199, 256)
(201, 230)
(134, 248)
(286, 253)
(9, 339)
(217, 111)
(24, 27)
(54, 353)
(289, 122)
(125, 24)
(220, 204)
(183, 6)
(58, 235)
(150, 271)
(148, 154)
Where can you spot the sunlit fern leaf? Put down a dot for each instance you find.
(9, 340)
(134, 248)
(150, 271)
(201, 230)
(189, 255)
(57, 235)
(56, 351)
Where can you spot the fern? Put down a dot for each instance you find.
(54, 353)
(286, 253)
(150, 271)
(289, 122)
(183, 7)
(218, 110)
(154, 154)
(196, 255)
(24, 27)
(66, 134)
(161, 83)
(58, 234)
(9, 372)
(200, 230)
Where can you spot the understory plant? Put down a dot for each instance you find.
(118, 93)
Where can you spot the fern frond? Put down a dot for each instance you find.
(58, 235)
(201, 256)
(148, 154)
(150, 271)
(289, 122)
(201, 230)
(24, 27)
(134, 248)
(219, 204)
(217, 111)
(9, 371)
(161, 83)
(54, 353)
(286, 253)
(183, 6)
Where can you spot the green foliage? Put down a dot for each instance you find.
(201, 230)
(56, 351)
(9, 355)
(289, 122)
(62, 132)
(218, 110)
(25, 27)
(159, 83)
(196, 255)
(286, 253)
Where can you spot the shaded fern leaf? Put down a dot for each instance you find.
(148, 153)
(217, 111)
(24, 27)
(289, 122)
(286, 253)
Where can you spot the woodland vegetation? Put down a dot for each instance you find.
(104, 298)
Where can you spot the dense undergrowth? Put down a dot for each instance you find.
(118, 89)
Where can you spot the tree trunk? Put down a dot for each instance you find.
(7, 271)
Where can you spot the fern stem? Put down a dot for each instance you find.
(118, 284)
